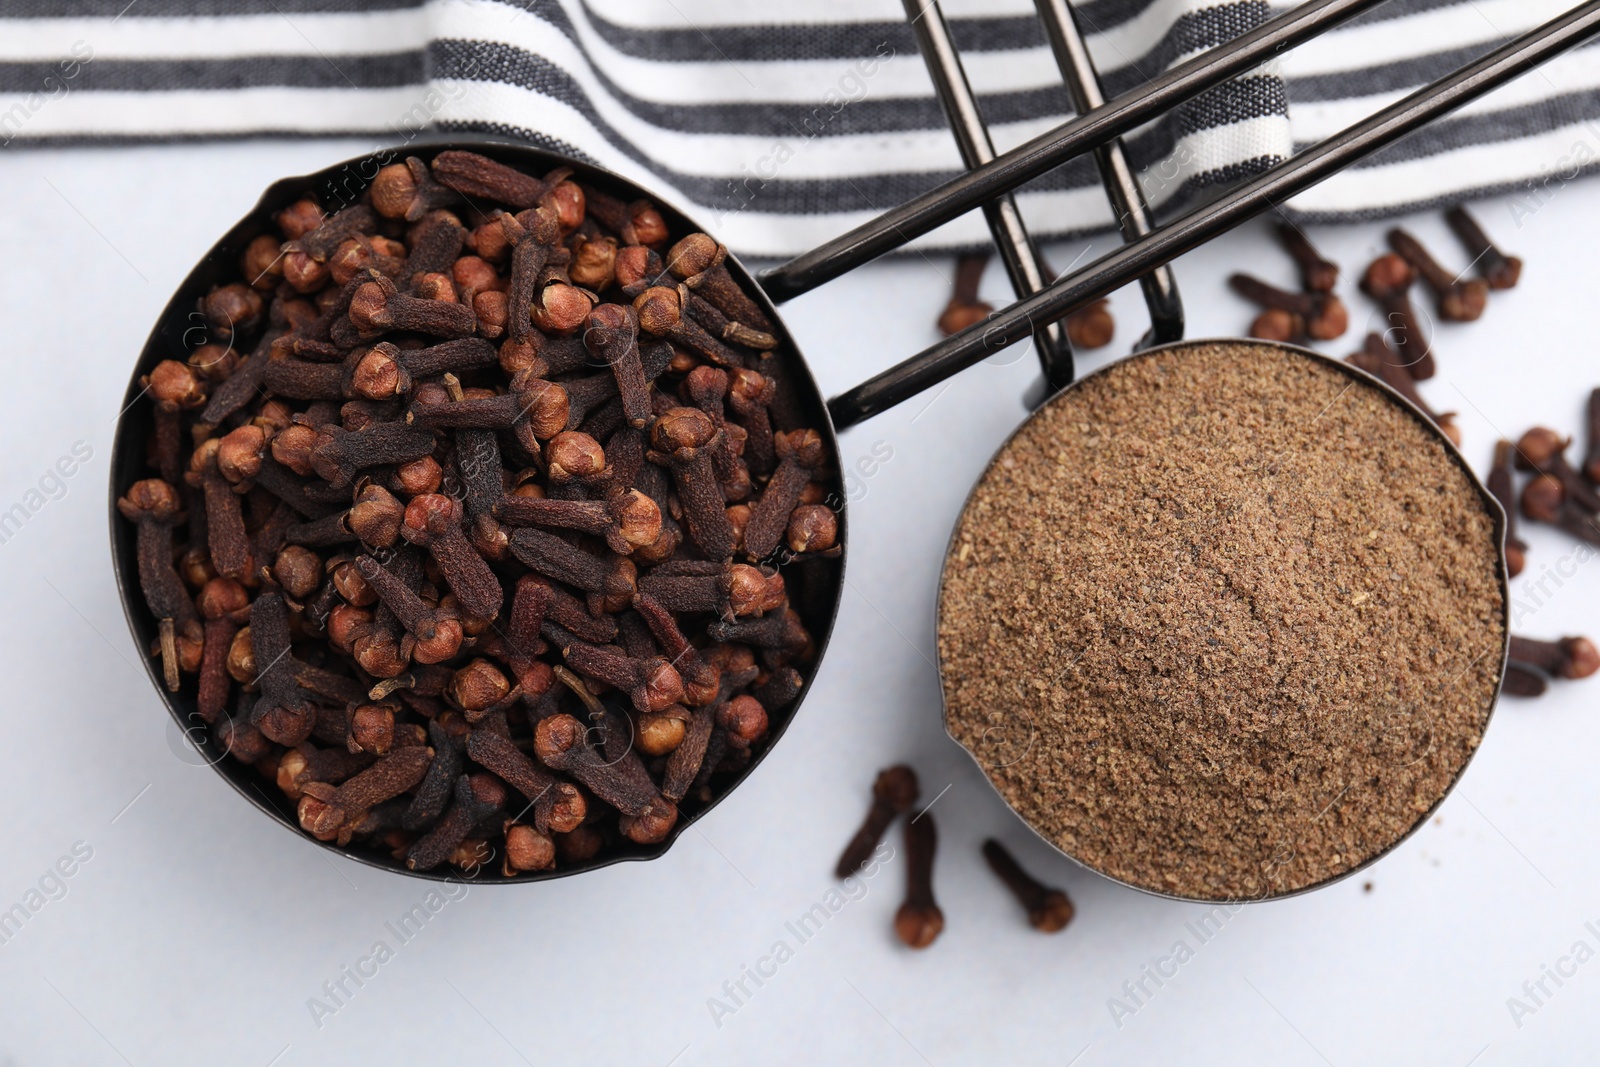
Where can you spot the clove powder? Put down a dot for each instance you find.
(1223, 622)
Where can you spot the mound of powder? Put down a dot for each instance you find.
(1223, 622)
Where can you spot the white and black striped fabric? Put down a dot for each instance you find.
(782, 125)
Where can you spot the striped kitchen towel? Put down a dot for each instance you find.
(782, 126)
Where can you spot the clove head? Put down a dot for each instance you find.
(960, 314)
(805, 447)
(694, 254)
(478, 686)
(638, 518)
(240, 451)
(393, 188)
(223, 598)
(561, 309)
(429, 516)
(812, 528)
(1330, 321)
(1583, 659)
(918, 924)
(1465, 301)
(297, 570)
(376, 515)
(544, 404)
(150, 500)
(572, 456)
(1539, 447)
(555, 737)
(1543, 498)
(1388, 276)
(378, 375)
(744, 719)
(1091, 327)
(682, 428)
(175, 386)
(594, 265)
(1276, 324)
(659, 733)
(660, 310)
(651, 826)
(528, 850)
(636, 266)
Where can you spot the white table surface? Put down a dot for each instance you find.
(197, 932)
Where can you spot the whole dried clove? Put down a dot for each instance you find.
(226, 539)
(224, 605)
(284, 711)
(479, 177)
(433, 522)
(699, 262)
(800, 454)
(1049, 910)
(894, 791)
(1499, 270)
(1570, 657)
(339, 455)
(1543, 451)
(651, 683)
(750, 395)
(378, 306)
(477, 797)
(558, 806)
(919, 920)
(660, 311)
(561, 744)
(437, 630)
(728, 589)
(438, 781)
(153, 506)
(175, 388)
(638, 223)
(537, 410)
(1388, 282)
(613, 338)
(1458, 300)
(1317, 273)
(684, 440)
(626, 519)
(1323, 314)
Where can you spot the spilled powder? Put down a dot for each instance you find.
(1222, 622)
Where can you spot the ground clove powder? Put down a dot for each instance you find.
(1223, 622)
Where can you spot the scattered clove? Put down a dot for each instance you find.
(1498, 269)
(894, 792)
(1049, 910)
(964, 308)
(919, 920)
(1458, 300)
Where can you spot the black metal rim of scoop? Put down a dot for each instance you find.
(819, 583)
(1491, 505)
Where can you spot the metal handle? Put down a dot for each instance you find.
(1017, 251)
(1133, 214)
(1283, 181)
(1054, 147)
